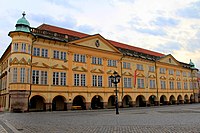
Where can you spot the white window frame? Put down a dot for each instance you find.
(22, 75)
(152, 84)
(140, 83)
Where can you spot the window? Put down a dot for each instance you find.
(55, 78)
(127, 82)
(56, 54)
(36, 51)
(139, 67)
(35, 77)
(171, 71)
(162, 70)
(22, 75)
(126, 65)
(112, 63)
(178, 73)
(62, 78)
(79, 58)
(110, 84)
(185, 85)
(152, 84)
(97, 80)
(23, 47)
(45, 53)
(140, 83)
(189, 74)
(79, 80)
(63, 55)
(15, 75)
(171, 85)
(15, 47)
(184, 74)
(178, 85)
(163, 84)
(43, 77)
(28, 77)
(191, 86)
(96, 60)
(29, 49)
(151, 69)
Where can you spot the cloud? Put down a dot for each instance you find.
(154, 32)
(85, 29)
(191, 11)
(168, 47)
(162, 21)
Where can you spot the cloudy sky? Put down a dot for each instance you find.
(165, 26)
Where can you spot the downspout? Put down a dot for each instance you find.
(30, 76)
(122, 79)
(156, 82)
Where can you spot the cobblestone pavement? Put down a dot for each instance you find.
(165, 119)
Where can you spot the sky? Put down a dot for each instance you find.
(165, 26)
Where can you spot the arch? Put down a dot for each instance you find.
(111, 101)
(186, 99)
(172, 100)
(179, 99)
(140, 101)
(152, 100)
(97, 102)
(163, 100)
(58, 103)
(79, 102)
(37, 103)
(127, 101)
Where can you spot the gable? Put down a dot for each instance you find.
(169, 59)
(96, 42)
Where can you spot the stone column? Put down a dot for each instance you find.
(105, 105)
(69, 106)
(157, 103)
(88, 105)
(48, 106)
(133, 103)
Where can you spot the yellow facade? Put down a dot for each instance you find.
(86, 84)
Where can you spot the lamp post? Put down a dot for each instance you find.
(115, 79)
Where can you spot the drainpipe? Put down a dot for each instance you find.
(156, 82)
(30, 80)
(122, 79)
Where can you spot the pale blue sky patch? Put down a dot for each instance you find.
(154, 32)
(163, 21)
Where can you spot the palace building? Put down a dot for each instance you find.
(52, 68)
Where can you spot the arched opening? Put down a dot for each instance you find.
(140, 101)
(97, 102)
(179, 99)
(172, 100)
(127, 101)
(79, 103)
(163, 100)
(111, 102)
(37, 103)
(186, 99)
(152, 100)
(58, 103)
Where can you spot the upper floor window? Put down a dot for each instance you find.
(23, 47)
(36, 51)
(63, 55)
(185, 85)
(14, 75)
(62, 78)
(16, 47)
(44, 52)
(97, 80)
(178, 73)
(140, 83)
(171, 71)
(189, 74)
(29, 49)
(178, 85)
(79, 80)
(151, 69)
(35, 76)
(139, 67)
(127, 82)
(126, 65)
(152, 84)
(171, 84)
(55, 78)
(79, 58)
(162, 70)
(56, 54)
(184, 74)
(112, 63)
(96, 60)
(43, 76)
(163, 84)
(22, 75)
(110, 84)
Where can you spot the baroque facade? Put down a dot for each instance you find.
(51, 68)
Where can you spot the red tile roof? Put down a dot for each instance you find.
(81, 35)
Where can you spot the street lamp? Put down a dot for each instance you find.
(115, 79)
